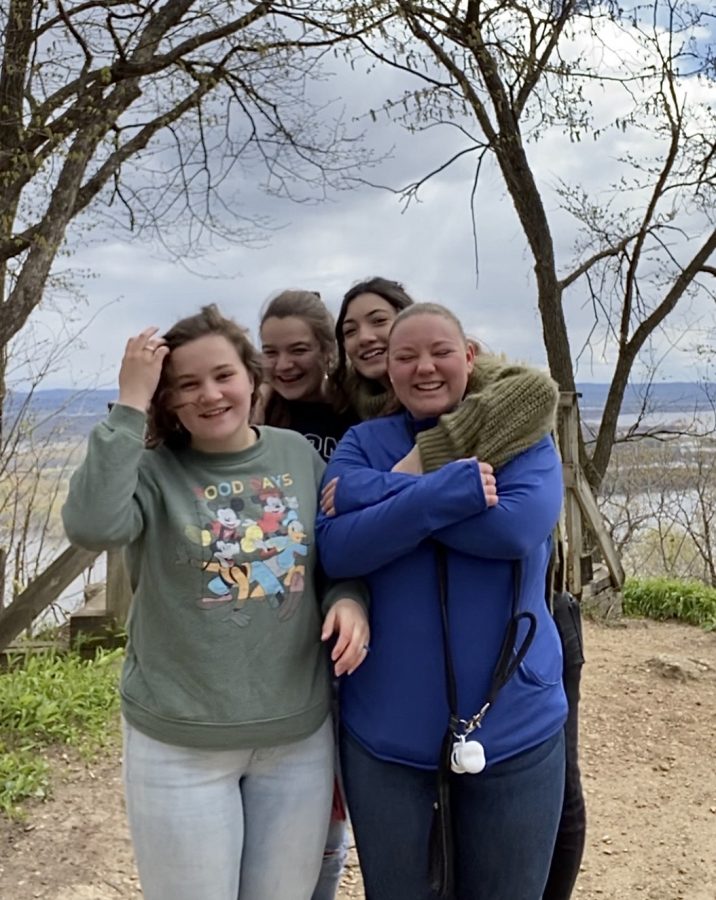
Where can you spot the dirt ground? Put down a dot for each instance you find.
(648, 758)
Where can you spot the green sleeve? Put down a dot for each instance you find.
(354, 589)
(102, 509)
(512, 408)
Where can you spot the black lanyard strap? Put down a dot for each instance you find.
(507, 664)
(508, 659)
(441, 860)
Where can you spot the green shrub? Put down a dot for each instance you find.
(52, 698)
(23, 774)
(667, 598)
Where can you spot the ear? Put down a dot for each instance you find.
(470, 356)
(256, 393)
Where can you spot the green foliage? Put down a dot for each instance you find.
(52, 698)
(667, 598)
(23, 774)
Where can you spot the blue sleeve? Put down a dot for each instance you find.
(359, 486)
(529, 490)
(356, 543)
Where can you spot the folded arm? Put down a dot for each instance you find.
(358, 542)
(529, 500)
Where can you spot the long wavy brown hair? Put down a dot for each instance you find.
(392, 292)
(164, 427)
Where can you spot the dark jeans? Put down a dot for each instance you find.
(505, 823)
(569, 846)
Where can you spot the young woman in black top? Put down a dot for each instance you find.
(299, 351)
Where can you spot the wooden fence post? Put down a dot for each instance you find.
(593, 517)
(3, 563)
(580, 504)
(568, 432)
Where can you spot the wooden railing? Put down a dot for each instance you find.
(107, 606)
(580, 507)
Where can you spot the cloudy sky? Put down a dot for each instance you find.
(328, 246)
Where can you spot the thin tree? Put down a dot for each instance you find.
(141, 111)
(516, 70)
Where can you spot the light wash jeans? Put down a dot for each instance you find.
(228, 824)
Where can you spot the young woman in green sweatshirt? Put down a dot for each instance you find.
(228, 748)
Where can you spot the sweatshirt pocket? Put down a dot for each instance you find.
(543, 663)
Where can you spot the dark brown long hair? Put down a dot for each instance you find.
(308, 306)
(163, 425)
(392, 292)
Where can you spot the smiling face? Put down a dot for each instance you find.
(294, 363)
(429, 364)
(211, 394)
(365, 334)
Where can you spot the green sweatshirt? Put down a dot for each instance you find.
(224, 645)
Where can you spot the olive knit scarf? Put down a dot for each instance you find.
(507, 408)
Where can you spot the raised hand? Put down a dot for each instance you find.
(141, 367)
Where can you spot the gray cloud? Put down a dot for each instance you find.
(329, 245)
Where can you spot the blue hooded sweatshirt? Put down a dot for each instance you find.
(385, 530)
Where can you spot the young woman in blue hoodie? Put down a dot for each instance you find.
(484, 547)
(476, 428)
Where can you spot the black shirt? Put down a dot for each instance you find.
(320, 423)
